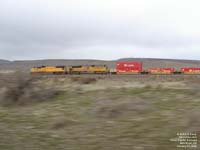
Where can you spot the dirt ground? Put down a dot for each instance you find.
(99, 112)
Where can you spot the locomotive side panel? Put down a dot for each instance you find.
(49, 69)
(98, 69)
(78, 69)
(89, 69)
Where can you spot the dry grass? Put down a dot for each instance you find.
(84, 80)
(120, 116)
(22, 89)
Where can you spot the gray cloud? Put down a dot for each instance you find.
(98, 29)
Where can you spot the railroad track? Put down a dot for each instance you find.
(120, 75)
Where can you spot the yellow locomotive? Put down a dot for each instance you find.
(49, 69)
(94, 69)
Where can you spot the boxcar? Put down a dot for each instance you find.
(129, 67)
(161, 70)
(190, 70)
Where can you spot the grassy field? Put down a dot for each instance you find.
(97, 113)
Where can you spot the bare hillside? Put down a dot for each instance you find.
(147, 62)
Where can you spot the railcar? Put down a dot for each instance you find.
(161, 70)
(190, 70)
(128, 67)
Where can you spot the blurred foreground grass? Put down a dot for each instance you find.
(138, 118)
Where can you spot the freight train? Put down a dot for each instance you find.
(131, 67)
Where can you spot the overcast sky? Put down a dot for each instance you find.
(99, 29)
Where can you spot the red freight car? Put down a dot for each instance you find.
(190, 70)
(128, 67)
(161, 70)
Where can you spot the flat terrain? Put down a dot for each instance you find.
(97, 112)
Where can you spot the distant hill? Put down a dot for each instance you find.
(147, 62)
(2, 61)
(155, 62)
